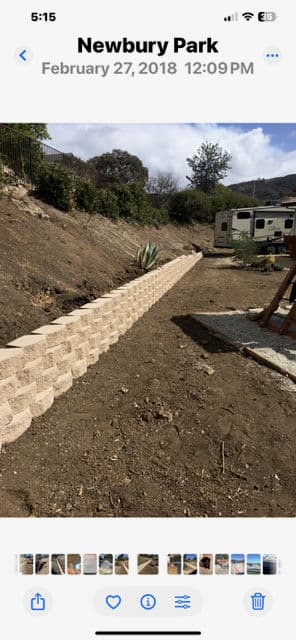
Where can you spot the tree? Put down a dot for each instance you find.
(37, 131)
(118, 167)
(209, 165)
(164, 183)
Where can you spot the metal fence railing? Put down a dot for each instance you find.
(21, 155)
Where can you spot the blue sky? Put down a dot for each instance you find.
(257, 150)
(281, 135)
(254, 558)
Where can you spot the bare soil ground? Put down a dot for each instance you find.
(141, 433)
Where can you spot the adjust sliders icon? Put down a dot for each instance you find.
(182, 602)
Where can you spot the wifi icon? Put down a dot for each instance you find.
(248, 15)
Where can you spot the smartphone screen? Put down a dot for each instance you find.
(147, 320)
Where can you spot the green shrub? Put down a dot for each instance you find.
(245, 250)
(188, 206)
(86, 195)
(55, 185)
(147, 256)
(193, 205)
(107, 204)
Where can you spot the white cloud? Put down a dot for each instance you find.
(165, 147)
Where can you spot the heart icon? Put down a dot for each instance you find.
(113, 601)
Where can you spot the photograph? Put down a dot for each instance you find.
(135, 254)
(58, 564)
(148, 564)
(90, 564)
(105, 564)
(42, 563)
(73, 564)
(189, 564)
(26, 564)
(269, 564)
(221, 564)
(121, 564)
(237, 564)
(174, 564)
(253, 563)
(205, 564)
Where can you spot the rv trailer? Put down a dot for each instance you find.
(267, 226)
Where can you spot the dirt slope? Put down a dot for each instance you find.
(50, 265)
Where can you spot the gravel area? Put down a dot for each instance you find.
(275, 349)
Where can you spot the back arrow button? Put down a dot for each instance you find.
(22, 55)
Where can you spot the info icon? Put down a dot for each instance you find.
(148, 601)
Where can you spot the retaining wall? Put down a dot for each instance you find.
(37, 368)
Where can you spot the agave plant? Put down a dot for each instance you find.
(147, 256)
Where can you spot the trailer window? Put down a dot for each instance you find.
(243, 215)
(260, 223)
(224, 226)
(289, 223)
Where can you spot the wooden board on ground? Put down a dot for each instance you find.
(269, 348)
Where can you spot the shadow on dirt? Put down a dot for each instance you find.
(201, 336)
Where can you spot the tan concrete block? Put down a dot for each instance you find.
(55, 334)
(82, 351)
(6, 414)
(8, 387)
(11, 360)
(86, 316)
(42, 402)
(97, 309)
(92, 357)
(64, 365)
(74, 342)
(52, 356)
(33, 346)
(104, 346)
(95, 340)
(71, 324)
(62, 384)
(104, 303)
(19, 424)
(31, 371)
(79, 368)
(113, 337)
(47, 379)
(97, 325)
(84, 334)
(23, 398)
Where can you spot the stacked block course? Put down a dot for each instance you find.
(39, 367)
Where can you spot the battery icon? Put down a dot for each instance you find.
(267, 16)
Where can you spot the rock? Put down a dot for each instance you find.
(209, 370)
(16, 192)
(124, 389)
(164, 413)
(43, 216)
(147, 416)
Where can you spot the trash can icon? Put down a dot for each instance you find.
(258, 601)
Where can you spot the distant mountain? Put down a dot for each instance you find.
(269, 190)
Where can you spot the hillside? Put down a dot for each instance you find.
(51, 262)
(267, 190)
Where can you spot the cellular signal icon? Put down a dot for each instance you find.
(232, 18)
(248, 15)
